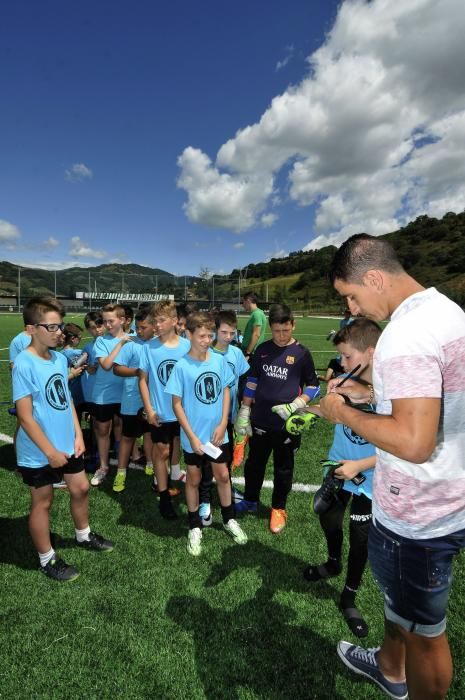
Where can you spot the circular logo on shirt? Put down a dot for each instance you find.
(55, 393)
(353, 437)
(233, 367)
(164, 370)
(208, 387)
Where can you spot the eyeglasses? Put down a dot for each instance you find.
(51, 327)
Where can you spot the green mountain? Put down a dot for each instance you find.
(432, 250)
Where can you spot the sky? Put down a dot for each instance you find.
(211, 135)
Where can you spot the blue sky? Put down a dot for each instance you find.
(148, 132)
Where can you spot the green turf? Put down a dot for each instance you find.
(149, 621)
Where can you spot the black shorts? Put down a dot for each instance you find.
(165, 433)
(194, 460)
(103, 412)
(36, 477)
(133, 426)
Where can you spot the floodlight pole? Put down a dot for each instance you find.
(19, 288)
(90, 293)
(213, 291)
(55, 282)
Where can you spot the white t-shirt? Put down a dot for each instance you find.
(421, 353)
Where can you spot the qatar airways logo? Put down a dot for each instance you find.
(275, 371)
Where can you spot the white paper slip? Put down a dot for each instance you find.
(211, 450)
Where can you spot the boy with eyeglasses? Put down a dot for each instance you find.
(49, 444)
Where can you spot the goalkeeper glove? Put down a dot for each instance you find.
(285, 410)
(296, 424)
(242, 424)
(240, 441)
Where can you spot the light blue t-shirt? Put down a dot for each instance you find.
(108, 388)
(201, 387)
(129, 356)
(348, 445)
(46, 381)
(19, 343)
(239, 366)
(88, 380)
(158, 361)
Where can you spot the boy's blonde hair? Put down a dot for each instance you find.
(114, 308)
(361, 334)
(165, 307)
(200, 319)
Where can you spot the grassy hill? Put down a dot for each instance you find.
(433, 250)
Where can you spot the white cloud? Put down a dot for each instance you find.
(284, 61)
(373, 135)
(239, 244)
(8, 232)
(51, 243)
(269, 219)
(278, 253)
(78, 172)
(80, 249)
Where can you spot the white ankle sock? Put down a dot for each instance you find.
(175, 471)
(82, 535)
(46, 557)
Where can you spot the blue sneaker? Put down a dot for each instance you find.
(205, 514)
(363, 662)
(243, 507)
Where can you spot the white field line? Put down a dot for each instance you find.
(302, 488)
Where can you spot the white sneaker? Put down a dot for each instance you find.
(177, 475)
(60, 485)
(194, 541)
(99, 476)
(233, 528)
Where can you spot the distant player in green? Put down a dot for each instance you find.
(49, 445)
(199, 385)
(254, 332)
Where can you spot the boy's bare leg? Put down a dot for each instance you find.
(194, 475)
(78, 487)
(160, 456)
(102, 433)
(125, 449)
(223, 484)
(117, 428)
(39, 518)
(148, 447)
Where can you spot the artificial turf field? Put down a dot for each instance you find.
(149, 621)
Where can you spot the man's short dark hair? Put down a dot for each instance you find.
(128, 312)
(361, 253)
(93, 317)
(361, 334)
(142, 315)
(226, 316)
(251, 296)
(280, 313)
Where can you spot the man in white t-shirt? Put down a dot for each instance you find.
(419, 486)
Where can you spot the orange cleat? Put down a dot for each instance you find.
(278, 520)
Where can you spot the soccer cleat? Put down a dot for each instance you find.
(59, 570)
(315, 572)
(149, 469)
(327, 493)
(194, 541)
(278, 520)
(240, 442)
(237, 495)
(243, 507)
(233, 528)
(355, 621)
(205, 514)
(96, 543)
(99, 476)
(363, 662)
(119, 483)
(296, 424)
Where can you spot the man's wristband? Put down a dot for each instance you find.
(371, 396)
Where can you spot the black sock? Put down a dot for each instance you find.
(164, 496)
(194, 519)
(348, 598)
(227, 513)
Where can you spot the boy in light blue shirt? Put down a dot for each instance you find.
(49, 444)
(226, 328)
(127, 365)
(158, 359)
(199, 385)
(108, 387)
(19, 343)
